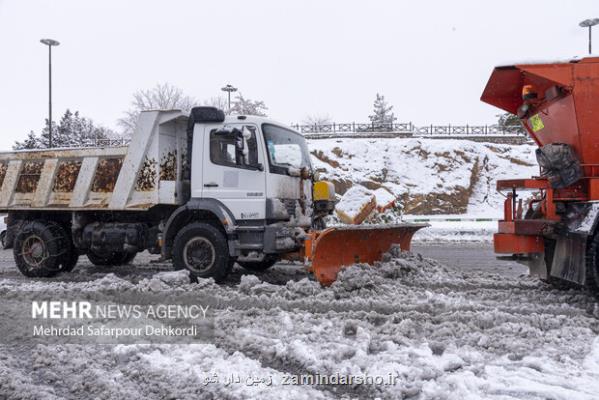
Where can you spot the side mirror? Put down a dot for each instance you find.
(293, 171)
(238, 139)
(259, 167)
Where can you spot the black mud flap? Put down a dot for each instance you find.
(579, 223)
(569, 262)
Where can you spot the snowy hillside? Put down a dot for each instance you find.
(429, 176)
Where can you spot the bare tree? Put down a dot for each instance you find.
(161, 97)
(244, 106)
(219, 102)
(317, 119)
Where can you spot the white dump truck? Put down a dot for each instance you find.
(205, 190)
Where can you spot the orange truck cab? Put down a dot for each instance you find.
(553, 228)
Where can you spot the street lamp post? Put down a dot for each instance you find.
(229, 89)
(589, 23)
(49, 43)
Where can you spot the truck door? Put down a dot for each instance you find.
(287, 150)
(233, 170)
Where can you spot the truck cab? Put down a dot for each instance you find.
(251, 185)
(254, 167)
(257, 174)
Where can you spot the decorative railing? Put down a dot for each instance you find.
(466, 130)
(355, 127)
(96, 143)
(107, 142)
(405, 128)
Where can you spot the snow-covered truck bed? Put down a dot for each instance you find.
(136, 177)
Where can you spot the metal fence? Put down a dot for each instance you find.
(406, 128)
(96, 143)
(355, 127)
(467, 130)
(107, 142)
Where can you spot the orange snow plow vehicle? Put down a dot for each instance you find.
(554, 229)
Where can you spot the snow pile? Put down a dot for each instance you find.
(384, 199)
(427, 176)
(356, 205)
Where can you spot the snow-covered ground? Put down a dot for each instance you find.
(454, 229)
(420, 329)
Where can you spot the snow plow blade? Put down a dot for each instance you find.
(330, 250)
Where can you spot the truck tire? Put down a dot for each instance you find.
(263, 265)
(112, 259)
(40, 249)
(202, 249)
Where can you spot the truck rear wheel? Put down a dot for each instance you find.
(111, 259)
(203, 250)
(263, 265)
(41, 248)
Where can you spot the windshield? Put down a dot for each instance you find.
(285, 148)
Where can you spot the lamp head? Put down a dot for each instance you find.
(50, 42)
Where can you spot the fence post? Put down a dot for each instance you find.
(334, 128)
(353, 127)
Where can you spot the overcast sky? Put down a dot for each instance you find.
(430, 59)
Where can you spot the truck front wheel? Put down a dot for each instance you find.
(203, 250)
(40, 249)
